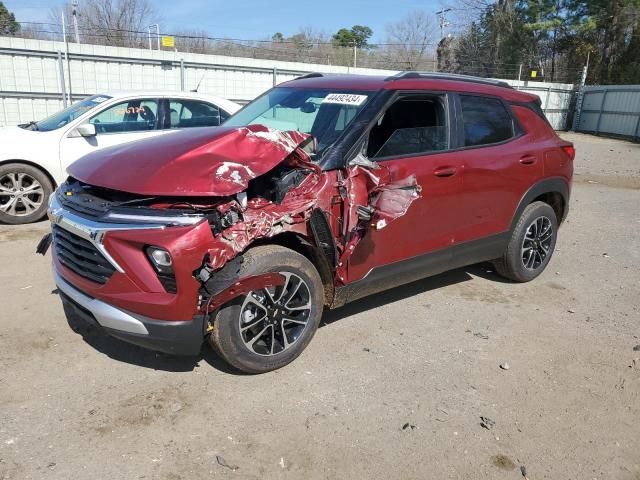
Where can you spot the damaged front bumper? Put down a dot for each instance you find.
(129, 302)
(177, 338)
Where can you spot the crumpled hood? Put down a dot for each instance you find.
(195, 162)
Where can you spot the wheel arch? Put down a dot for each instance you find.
(553, 191)
(307, 248)
(54, 184)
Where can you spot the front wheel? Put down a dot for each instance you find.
(270, 327)
(24, 191)
(532, 243)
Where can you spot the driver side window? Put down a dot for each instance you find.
(129, 116)
(412, 125)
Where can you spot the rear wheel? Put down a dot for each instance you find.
(270, 327)
(532, 244)
(24, 191)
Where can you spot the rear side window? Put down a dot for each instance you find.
(485, 120)
(186, 113)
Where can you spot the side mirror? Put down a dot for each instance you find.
(86, 130)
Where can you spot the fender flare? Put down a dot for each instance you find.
(550, 185)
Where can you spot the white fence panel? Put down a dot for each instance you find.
(30, 79)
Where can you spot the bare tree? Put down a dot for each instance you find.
(411, 40)
(120, 23)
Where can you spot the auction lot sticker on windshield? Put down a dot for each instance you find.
(345, 99)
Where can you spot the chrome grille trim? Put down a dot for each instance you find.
(90, 230)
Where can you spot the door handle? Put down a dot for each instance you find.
(528, 160)
(444, 172)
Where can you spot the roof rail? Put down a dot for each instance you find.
(310, 75)
(447, 76)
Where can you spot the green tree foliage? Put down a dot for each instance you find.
(357, 35)
(553, 37)
(8, 24)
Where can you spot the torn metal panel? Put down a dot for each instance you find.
(375, 199)
(242, 287)
(262, 218)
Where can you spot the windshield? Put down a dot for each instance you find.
(69, 114)
(325, 114)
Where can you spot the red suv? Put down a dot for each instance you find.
(323, 190)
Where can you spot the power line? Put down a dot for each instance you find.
(239, 40)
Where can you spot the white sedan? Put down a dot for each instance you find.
(34, 156)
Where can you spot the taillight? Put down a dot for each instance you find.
(570, 151)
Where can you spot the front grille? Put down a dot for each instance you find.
(81, 256)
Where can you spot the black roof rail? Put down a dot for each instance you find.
(310, 75)
(447, 76)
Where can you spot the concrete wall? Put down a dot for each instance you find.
(31, 80)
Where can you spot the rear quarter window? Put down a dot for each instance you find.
(485, 120)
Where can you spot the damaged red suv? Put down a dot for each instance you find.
(322, 191)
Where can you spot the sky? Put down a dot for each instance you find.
(256, 19)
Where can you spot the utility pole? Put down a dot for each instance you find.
(443, 21)
(66, 47)
(157, 26)
(74, 12)
(580, 97)
(355, 54)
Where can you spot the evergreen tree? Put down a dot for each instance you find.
(8, 24)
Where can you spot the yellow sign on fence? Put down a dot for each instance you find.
(168, 42)
(534, 73)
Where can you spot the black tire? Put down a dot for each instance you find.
(516, 263)
(19, 212)
(228, 340)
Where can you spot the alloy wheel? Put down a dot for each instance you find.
(536, 244)
(273, 319)
(20, 194)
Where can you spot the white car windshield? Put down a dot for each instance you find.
(325, 113)
(69, 114)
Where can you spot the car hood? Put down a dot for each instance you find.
(216, 161)
(13, 134)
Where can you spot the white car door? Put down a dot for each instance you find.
(122, 122)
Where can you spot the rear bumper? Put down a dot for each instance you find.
(178, 338)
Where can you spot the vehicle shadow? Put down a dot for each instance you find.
(396, 294)
(134, 355)
(128, 353)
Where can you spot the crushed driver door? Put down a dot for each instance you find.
(413, 150)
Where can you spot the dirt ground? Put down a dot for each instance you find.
(391, 387)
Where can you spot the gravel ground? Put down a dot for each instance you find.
(391, 387)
